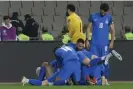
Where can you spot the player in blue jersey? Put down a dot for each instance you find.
(69, 61)
(101, 24)
(88, 64)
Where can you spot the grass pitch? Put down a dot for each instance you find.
(112, 86)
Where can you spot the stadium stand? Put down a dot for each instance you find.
(37, 11)
(16, 4)
(51, 14)
(39, 4)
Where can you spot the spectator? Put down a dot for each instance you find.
(7, 31)
(65, 38)
(21, 36)
(16, 22)
(31, 27)
(46, 36)
(128, 33)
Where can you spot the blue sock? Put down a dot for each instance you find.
(59, 82)
(35, 82)
(42, 73)
(95, 61)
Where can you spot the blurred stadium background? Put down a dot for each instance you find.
(51, 14)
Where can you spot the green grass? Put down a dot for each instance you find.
(112, 86)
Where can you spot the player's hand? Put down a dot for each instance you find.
(111, 45)
(87, 44)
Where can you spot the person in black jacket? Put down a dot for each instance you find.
(31, 26)
(16, 22)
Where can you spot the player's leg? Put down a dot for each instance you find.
(77, 74)
(41, 75)
(65, 73)
(42, 72)
(31, 81)
(39, 82)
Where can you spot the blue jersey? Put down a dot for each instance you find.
(100, 28)
(88, 54)
(83, 55)
(66, 53)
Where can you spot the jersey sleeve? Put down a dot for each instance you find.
(90, 19)
(81, 56)
(110, 21)
(88, 54)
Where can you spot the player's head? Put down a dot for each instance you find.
(70, 9)
(6, 19)
(104, 8)
(80, 44)
(127, 29)
(44, 30)
(19, 30)
(27, 17)
(54, 51)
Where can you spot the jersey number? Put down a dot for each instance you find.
(66, 48)
(101, 25)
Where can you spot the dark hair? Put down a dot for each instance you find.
(80, 41)
(127, 29)
(55, 49)
(65, 30)
(27, 16)
(6, 17)
(44, 29)
(104, 7)
(15, 14)
(71, 7)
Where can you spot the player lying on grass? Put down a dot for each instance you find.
(70, 60)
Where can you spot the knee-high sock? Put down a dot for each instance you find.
(60, 82)
(35, 82)
(96, 61)
(42, 73)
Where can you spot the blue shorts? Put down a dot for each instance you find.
(100, 51)
(70, 68)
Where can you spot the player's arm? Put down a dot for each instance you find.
(89, 27)
(69, 25)
(84, 59)
(112, 32)
(88, 32)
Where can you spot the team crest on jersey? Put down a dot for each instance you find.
(106, 21)
(4, 32)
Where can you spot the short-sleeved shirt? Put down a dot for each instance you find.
(65, 54)
(100, 28)
(75, 27)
